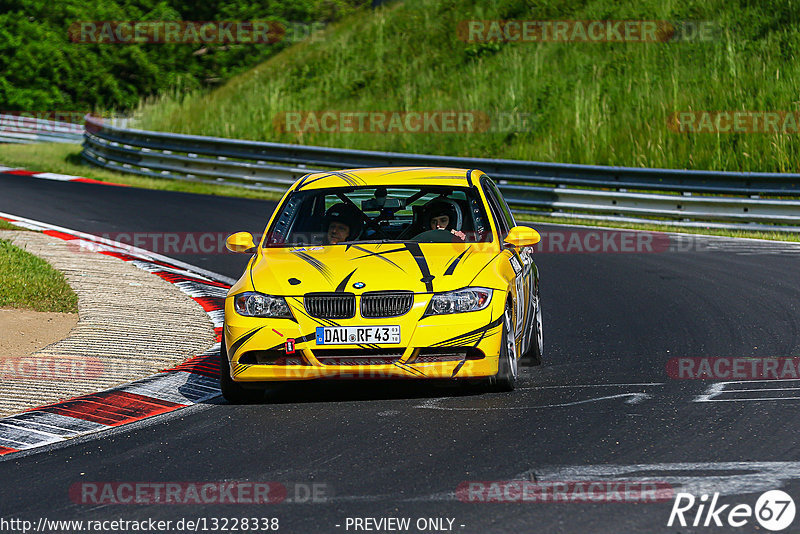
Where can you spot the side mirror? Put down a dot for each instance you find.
(522, 236)
(240, 242)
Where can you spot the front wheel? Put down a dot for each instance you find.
(507, 368)
(233, 392)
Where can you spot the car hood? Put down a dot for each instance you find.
(418, 267)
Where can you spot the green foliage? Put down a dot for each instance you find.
(595, 103)
(41, 69)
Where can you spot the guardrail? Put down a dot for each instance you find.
(686, 198)
(22, 129)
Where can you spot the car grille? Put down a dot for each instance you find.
(357, 357)
(386, 304)
(430, 358)
(450, 354)
(271, 357)
(330, 305)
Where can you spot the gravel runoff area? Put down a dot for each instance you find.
(131, 324)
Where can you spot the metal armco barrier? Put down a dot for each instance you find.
(21, 129)
(720, 199)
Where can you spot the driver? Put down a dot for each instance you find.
(441, 215)
(342, 223)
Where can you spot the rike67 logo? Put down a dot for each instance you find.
(774, 510)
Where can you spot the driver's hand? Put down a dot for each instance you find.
(459, 234)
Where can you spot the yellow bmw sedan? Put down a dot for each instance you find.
(418, 273)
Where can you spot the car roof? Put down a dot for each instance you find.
(386, 176)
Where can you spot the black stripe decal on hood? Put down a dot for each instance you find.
(452, 267)
(379, 254)
(419, 257)
(315, 263)
(343, 284)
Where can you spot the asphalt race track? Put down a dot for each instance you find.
(601, 407)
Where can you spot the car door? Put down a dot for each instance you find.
(522, 263)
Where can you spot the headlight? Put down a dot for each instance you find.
(460, 301)
(252, 304)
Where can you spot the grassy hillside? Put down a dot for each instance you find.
(603, 103)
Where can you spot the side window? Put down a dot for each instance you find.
(494, 206)
(507, 215)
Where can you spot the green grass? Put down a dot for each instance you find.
(591, 103)
(30, 282)
(5, 225)
(65, 159)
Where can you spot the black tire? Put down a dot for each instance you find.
(507, 367)
(533, 356)
(231, 391)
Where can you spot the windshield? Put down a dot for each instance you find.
(430, 214)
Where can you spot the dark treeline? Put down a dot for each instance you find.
(43, 69)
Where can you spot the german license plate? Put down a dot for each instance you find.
(350, 335)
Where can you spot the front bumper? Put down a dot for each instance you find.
(453, 346)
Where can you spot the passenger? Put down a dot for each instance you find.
(342, 223)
